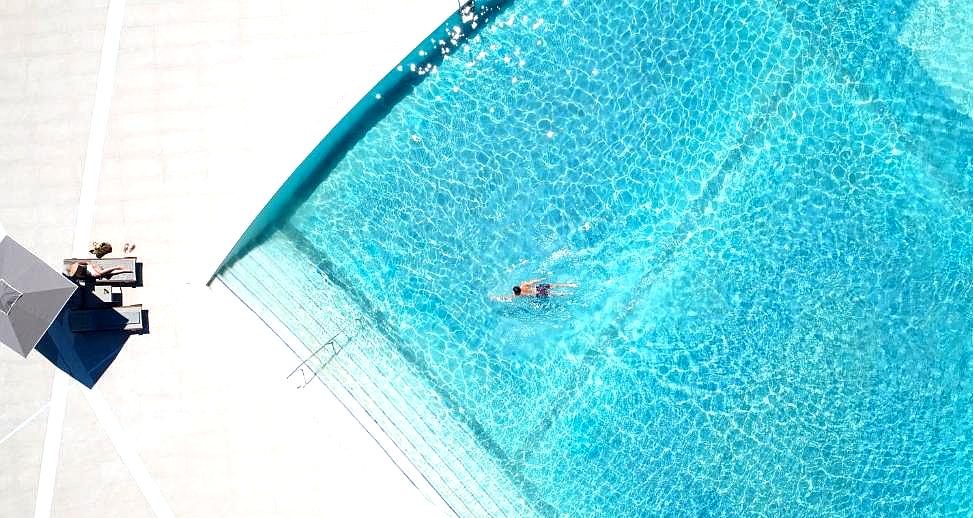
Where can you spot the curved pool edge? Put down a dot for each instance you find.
(371, 108)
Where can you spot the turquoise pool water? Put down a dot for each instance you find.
(767, 206)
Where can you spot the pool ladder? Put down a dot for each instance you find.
(334, 348)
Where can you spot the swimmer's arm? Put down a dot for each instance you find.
(534, 281)
(502, 298)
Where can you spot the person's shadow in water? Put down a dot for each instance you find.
(84, 356)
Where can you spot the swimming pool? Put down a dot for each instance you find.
(767, 206)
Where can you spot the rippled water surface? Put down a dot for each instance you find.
(767, 206)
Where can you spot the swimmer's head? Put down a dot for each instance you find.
(516, 290)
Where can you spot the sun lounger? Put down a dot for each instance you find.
(119, 279)
(124, 318)
(108, 295)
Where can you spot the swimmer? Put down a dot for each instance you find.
(535, 288)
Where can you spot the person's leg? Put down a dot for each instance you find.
(564, 285)
(108, 272)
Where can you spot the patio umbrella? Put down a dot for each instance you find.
(31, 296)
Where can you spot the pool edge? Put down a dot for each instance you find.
(374, 105)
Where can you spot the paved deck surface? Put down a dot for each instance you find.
(170, 124)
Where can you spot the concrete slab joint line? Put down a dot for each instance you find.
(52, 446)
(127, 452)
(94, 153)
(25, 422)
(91, 172)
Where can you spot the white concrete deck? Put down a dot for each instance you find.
(206, 107)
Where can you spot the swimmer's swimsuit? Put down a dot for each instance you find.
(543, 290)
(83, 273)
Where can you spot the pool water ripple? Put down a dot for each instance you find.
(767, 206)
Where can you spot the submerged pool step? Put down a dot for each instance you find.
(320, 265)
(356, 381)
(370, 370)
(263, 296)
(359, 384)
(253, 278)
(383, 354)
(356, 377)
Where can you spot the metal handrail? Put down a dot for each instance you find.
(336, 348)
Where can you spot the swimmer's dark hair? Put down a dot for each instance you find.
(516, 290)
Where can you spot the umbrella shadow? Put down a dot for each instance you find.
(83, 356)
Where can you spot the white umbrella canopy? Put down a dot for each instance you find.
(32, 294)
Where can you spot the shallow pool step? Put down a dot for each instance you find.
(387, 415)
(358, 380)
(374, 357)
(319, 267)
(372, 373)
(247, 281)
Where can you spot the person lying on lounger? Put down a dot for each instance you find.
(535, 288)
(85, 270)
